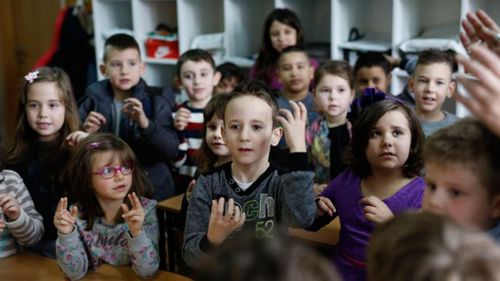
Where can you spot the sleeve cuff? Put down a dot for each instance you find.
(20, 221)
(205, 245)
(149, 131)
(298, 161)
(137, 242)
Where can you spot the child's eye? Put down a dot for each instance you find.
(422, 80)
(397, 133)
(430, 186)
(234, 127)
(54, 105)
(257, 127)
(455, 192)
(115, 64)
(374, 134)
(211, 127)
(106, 171)
(188, 76)
(126, 168)
(32, 105)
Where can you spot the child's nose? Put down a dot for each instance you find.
(42, 112)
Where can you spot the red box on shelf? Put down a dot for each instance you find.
(162, 47)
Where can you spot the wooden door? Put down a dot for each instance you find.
(26, 30)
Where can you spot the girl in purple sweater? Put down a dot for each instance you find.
(382, 180)
(111, 222)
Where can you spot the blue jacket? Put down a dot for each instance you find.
(157, 145)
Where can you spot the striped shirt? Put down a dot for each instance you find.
(190, 140)
(27, 229)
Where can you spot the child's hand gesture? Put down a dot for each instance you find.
(480, 27)
(10, 206)
(134, 110)
(181, 119)
(325, 206)
(64, 220)
(220, 225)
(375, 210)
(93, 122)
(135, 216)
(75, 137)
(294, 126)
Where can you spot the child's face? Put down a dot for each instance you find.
(214, 137)
(198, 79)
(373, 77)
(431, 84)
(45, 110)
(248, 131)
(226, 85)
(295, 72)
(282, 35)
(390, 141)
(124, 68)
(116, 187)
(454, 190)
(333, 96)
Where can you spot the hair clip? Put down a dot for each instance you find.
(31, 76)
(370, 96)
(93, 145)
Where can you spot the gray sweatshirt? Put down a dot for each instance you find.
(277, 198)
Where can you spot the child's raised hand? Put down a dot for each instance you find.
(75, 137)
(93, 122)
(480, 27)
(134, 110)
(10, 206)
(484, 93)
(181, 119)
(220, 224)
(64, 220)
(375, 210)
(294, 126)
(324, 206)
(135, 216)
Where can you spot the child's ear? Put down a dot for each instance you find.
(276, 136)
(142, 67)
(102, 69)
(451, 89)
(495, 207)
(411, 84)
(178, 82)
(217, 77)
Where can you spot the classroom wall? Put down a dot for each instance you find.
(26, 30)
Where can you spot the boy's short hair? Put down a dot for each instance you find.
(372, 59)
(432, 56)
(256, 88)
(428, 247)
(278, 258)
(338, 68)
(228, 70)
(470, 143)
(292, 49)
(195, 55)
(120, 41)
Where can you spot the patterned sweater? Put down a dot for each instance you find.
(83, 249)
(278, 198)
(28, 228)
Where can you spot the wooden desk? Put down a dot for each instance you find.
(171, 205)
(29, 266)
(327, 236)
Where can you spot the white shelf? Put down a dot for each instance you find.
(385, 24)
